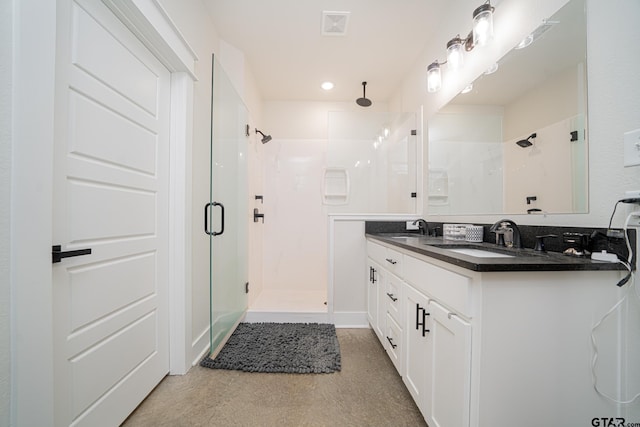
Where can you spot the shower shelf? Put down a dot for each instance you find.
(335, 186)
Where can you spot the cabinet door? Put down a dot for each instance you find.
(449, 369)
(375, 304)
(416, 336)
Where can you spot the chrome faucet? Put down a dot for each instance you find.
(499, 228)
(423, 227)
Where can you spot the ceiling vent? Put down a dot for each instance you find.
(334, 23)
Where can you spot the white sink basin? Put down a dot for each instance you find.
(479, 253)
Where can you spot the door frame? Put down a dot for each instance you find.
(33, 77)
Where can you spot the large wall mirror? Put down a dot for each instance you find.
(516, 142)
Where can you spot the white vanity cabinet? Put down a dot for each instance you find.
(498, 348)
(384, 299)
(437, 344)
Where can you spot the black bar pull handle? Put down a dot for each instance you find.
(421, 322)
(391, 342)
(392, 297)
(218, 233)
(57, 253)
(206, 219)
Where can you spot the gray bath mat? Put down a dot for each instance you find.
(297, 348)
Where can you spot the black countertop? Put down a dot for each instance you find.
(521, 260)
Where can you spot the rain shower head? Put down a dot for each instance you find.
(364, 101)
(524, 143)
(265, 138)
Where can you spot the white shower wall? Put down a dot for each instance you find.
(295, 227)
(295, 230)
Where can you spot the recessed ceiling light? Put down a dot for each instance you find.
(327, 85)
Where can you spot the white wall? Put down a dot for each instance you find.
(295, 242)
(193, 21)
(6, 40)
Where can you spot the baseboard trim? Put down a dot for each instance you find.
(351, 319)
(286, 317)
(200, 346)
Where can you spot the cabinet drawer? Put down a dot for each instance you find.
(388, 258)
(376, 252)
(446, 287)
(393, 297)
(393, 262)
(393, 343)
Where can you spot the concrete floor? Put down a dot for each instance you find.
(367, 392)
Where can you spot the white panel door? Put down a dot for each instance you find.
(110, 313)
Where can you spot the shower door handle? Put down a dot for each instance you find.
(206, 219)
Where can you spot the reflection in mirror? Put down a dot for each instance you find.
(479, 161)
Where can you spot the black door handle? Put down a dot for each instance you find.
(57, 254)
(206, 219)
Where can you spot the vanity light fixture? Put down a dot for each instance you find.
(434, 77)
(455, 53)
(480, 35)
(483, 24)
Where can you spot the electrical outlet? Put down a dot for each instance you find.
(632, 148)
(410, 226)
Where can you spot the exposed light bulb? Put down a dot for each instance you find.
(483, 25)
(434, 77)
(455, 53)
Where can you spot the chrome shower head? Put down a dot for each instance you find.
(265, 138)
(524, 143)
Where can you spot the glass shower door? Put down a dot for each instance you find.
(226, 213)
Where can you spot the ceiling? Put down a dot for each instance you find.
(289, 57)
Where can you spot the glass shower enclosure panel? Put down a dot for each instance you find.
(371, 163)
(226, 212)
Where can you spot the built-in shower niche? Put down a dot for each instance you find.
(335, 186)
